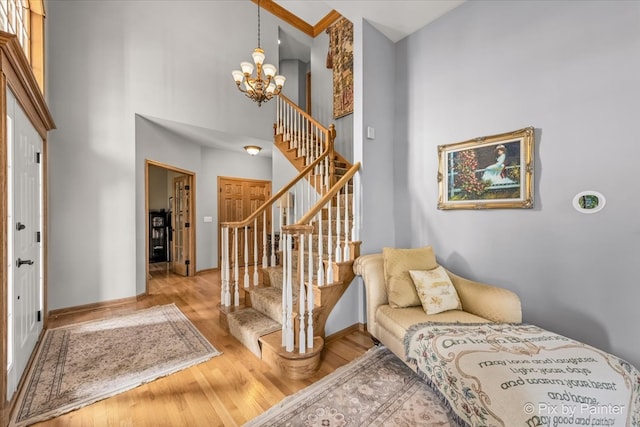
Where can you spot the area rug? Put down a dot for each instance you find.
(375, 390)
(81, 364)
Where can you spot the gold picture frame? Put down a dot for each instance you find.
(490, 172)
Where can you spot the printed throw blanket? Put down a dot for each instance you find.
(521, 375)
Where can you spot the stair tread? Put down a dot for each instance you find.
(248, 325)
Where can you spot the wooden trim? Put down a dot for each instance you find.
(4, 280)
(362, 327)
(285, 15)
(324, 23)
(16, 74)
(297, 22)
(24, 84)
(192, 213)
(96, 306)
(207, 270)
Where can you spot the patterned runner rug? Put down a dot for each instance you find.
(80, 364)
(374, 390)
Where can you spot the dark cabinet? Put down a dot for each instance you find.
(158, 236)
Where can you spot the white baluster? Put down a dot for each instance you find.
(236, 294)
(356, 211)
(309, 297)
(347, 250)
(265, 259)
(302, 338)
(246, 256)
(289, 345)
(320, 279)
(224, 291)
(255, 251)
(338, 251)
(329, 276)
(285, 272)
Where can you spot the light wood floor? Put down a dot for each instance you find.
(228, 390)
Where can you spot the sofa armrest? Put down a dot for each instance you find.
(489, 302)
(371, 268)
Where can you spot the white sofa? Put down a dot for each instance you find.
(481, 303)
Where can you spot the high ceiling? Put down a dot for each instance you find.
(395, 19)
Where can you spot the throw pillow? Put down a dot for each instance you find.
(401, 291)
(435, 290)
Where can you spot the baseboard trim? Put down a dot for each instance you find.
(362, 327)
(96, 306)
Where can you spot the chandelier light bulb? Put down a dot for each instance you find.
(264, 85)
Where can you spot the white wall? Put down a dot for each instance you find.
(106, 62)
(571, 70)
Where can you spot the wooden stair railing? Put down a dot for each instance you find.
(317, 222)
(333, 267)
(310, 184)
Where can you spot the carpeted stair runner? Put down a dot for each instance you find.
(248, 325)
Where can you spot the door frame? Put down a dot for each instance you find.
(15, 73)
(192, 204)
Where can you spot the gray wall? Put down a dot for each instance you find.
(322, 96)
(154, 142)
(106, 62)
(571, 70)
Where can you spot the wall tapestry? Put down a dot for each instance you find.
(340, 58)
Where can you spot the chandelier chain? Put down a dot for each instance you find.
(258, 23)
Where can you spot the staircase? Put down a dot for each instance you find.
(276, 296)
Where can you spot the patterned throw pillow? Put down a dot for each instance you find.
(435, 290)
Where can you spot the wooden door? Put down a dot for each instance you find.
(181, 222)
(237, 199)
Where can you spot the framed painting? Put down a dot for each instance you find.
(489, 172)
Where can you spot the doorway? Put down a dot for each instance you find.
(237, 199)
(170, 210)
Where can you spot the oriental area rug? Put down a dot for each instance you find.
(81, 364)
(377, 389)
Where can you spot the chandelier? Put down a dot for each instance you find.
(265, 84)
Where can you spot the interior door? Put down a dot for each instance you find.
(25, 229)
(237, 199)
(181, 224)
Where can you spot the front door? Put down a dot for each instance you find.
(181, 223)
(25, 226)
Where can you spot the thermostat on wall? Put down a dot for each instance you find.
(588, 202)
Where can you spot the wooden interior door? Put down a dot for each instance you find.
(237, 199)
(181, 223)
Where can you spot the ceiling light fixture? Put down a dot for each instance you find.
(252, 149)
(265, 84)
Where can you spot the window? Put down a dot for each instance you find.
(25, 19)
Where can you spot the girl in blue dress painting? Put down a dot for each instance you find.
(496, 173)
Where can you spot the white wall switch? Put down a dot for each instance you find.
(371, 132)
(208, 219)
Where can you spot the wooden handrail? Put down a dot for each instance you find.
(304, 113)
(276, 196)
(328, 150)
(324, 200)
